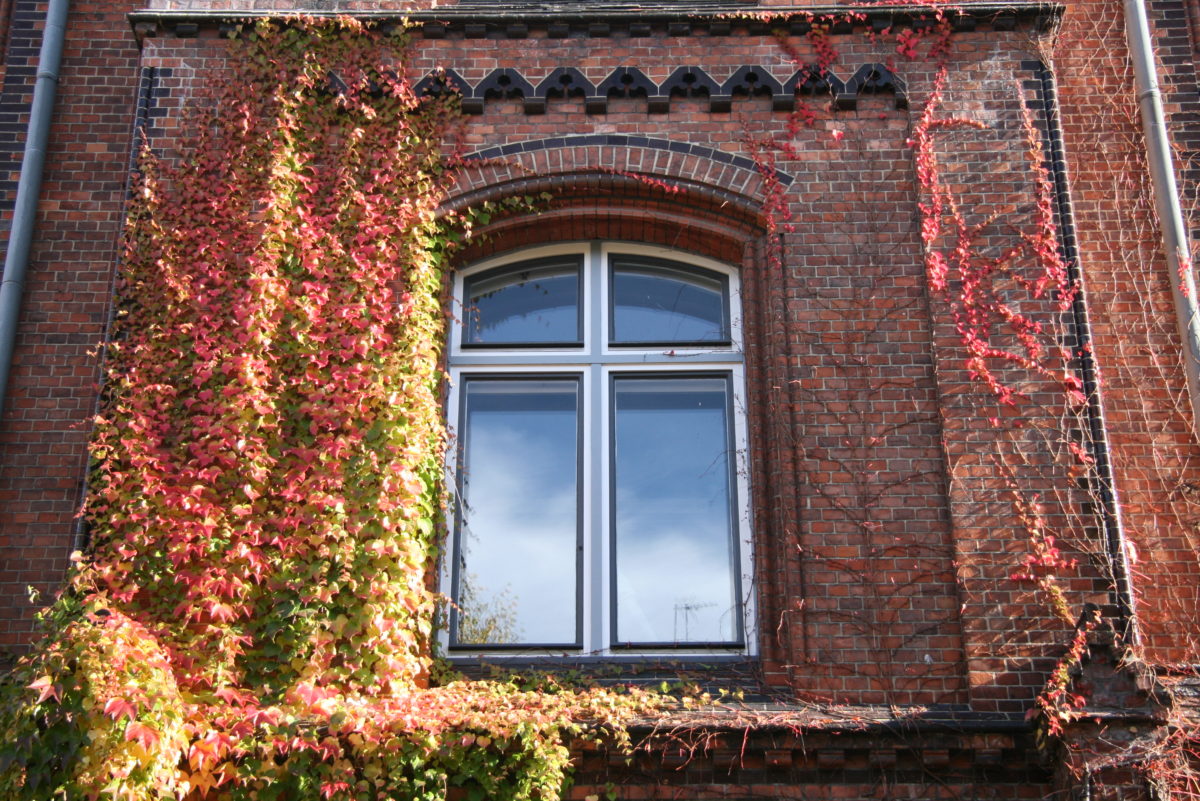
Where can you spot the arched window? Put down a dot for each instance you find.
(599, 472)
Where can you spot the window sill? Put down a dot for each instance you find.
(713, 673)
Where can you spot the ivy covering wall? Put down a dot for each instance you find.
(252, 619)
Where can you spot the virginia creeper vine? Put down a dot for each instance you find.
(253, 617)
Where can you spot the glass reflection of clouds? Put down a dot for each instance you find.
(660, 304)
(533, 305)
(620, 364)
(675, 551)
(517, 546)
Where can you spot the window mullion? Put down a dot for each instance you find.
(596, 586)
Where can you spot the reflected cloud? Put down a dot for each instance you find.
(517, 545)
(676, 558)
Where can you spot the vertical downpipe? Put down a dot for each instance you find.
(29, 187)
(1166, 197)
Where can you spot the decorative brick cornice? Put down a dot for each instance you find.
(474, 20)
(683, 82)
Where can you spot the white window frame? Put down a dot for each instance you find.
(596, 363)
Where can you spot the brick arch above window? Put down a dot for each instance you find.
(612, 142)
(648, 159)
(712, 221)
(705, 219)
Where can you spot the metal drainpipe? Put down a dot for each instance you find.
(29, 187)
(1166, 197)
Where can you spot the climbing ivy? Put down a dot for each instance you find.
(252, 618)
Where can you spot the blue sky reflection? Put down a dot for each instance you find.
(518, 543)
(536, 305)
(674, 550)
(656, 304)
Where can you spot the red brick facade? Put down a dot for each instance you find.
(882, 476)
(68, 295)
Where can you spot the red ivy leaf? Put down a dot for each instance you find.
(145, 735)
(46, 689)
(117, 707)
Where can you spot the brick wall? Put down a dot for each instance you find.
(52, 390)
(883, 570)
(884, 531)
(1152, 445)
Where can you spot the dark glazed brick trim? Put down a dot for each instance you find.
(141, 118)
(627, 82)
(1045, 108)
(805, 760)
(630, 82)
(752, 81)
(621, 140)
(871, 79)
(666, 17)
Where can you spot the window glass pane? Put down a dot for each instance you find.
(675, 580)
(657, 303)
(535, 303)
(517, 547)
